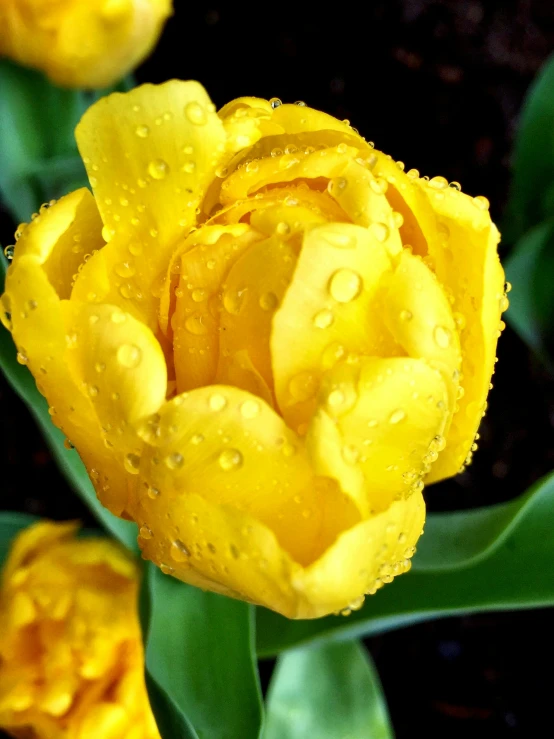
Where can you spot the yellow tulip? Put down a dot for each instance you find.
(71, 656)
(76, 43)
(262, 336)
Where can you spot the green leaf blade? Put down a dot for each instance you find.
(327, 692)
(200, 651)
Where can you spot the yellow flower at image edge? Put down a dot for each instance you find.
(262, 336)
(71, 656)
(81, 44)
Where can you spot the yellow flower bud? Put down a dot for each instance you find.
(81, 44)
(71, 656)
(263, 337)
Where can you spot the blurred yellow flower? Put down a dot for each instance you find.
(81, 44)
(262, 336)
(71, 656)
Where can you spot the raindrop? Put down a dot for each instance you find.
(158, 169)
(129, 356)
(397, 416)
(230, 459)
(196, 113)
(345, 285)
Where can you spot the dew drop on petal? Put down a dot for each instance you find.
(132, 463)
(158, 169)
(345, 285)
(230, 459)
(178, 551)
(397, 416)
(129, 356)
(323, 319)
(196, 113)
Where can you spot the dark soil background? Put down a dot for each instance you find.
(438, 85)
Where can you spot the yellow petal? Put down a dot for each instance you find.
(60, 238)
(418, 315)
(34, 539)
(419, 227)
(119, 363)
(92, 44)
(329, 309)
(466, 263)
(222, 549)
(44, 344)
(208, 256)
(150, 155)
(253, 290)
(214, 441)
(378, 426)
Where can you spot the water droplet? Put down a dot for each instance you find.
(129, 356)
(195, 324)
(300, 103)
(455, 185)
(331, 355)
(350, 454)
(380, 231)
(345, 285)
(158, 169)
(269, 301)
(275, 103)
(178, 551)
(142, 131)
(481, 202)
(9, 252)
(406, 315)
(132, 463)
(303, 386)
(397, 416)
(282, 228)
(196, 113)
(221, 172)
(233, 300)
(335, 398)
(217, 402)
(166, 569)
(125, 269)
(145, 532)
(230, 459)
(92, 391)
(323, 319)
(198, 295)
(438, 183)
(174, 461)
(339, 240)
(508, 287)
(153, 492)
(442, 336)
(250, 409)
(196, 439)
(336, 186)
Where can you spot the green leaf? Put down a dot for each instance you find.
(530, 269)
(37, 121)
(489, 559)
(11, 524)
(172, 723)
(532, 187)
(328, 691)
(200, 651)
(68, 461)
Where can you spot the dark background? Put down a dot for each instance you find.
(438, 85)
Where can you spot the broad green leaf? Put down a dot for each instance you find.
(530, 269)
(172, 723)
(11, 523)
(532, 187)
(200, 651)
(37, 120)
(68, 461)
(489, 559)
(326, 691)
